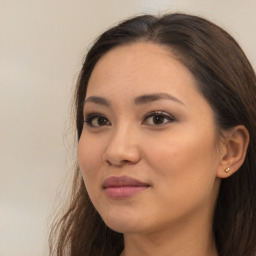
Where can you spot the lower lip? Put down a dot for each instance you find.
(124, 192)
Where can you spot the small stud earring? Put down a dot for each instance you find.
(227, 170)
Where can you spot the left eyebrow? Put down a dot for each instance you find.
(97, 100)
(148, 98)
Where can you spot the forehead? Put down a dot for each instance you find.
(138, 68)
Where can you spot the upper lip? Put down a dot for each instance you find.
(122, 181)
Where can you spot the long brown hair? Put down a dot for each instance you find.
(226, 79)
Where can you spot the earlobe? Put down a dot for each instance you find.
(235, 145)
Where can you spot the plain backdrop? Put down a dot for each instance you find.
(42, 45)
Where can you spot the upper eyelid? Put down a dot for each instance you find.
(149, 114)
(159, 112)
(93, 114)
(155, 112)
(89, 118)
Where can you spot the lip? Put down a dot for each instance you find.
(123, 187)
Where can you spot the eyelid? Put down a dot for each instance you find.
(169, 117)
(89, 118)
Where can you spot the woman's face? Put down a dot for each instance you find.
(148, 152)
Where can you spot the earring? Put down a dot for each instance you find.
(227, 170)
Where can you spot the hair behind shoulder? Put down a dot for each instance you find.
(226, 79)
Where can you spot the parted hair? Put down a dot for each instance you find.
(226, 79)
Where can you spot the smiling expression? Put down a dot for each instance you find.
(148, 152)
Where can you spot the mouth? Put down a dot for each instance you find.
(123, 187)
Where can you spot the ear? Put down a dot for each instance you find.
(233, 151)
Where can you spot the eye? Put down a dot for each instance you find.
(158, 118)
(96, 120)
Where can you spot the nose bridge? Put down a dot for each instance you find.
(123, 145)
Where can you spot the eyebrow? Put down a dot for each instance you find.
(143, 99)
(98, 100)
(148, 98)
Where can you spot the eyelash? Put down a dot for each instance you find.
(90, 118)
(164, 116)
(168, 118)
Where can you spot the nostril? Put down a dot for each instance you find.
(108, 162)
(118, 154)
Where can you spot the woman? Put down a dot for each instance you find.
(166, 118)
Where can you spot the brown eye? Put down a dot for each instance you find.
(96, 120)
(158, 118)
(100, 121)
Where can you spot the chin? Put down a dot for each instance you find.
(123, 224)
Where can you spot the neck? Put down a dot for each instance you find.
(190, 239)
(188, 248)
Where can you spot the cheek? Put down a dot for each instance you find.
(184, 177)
(185, 160)
(89, 158)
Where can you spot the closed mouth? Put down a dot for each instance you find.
(123, 187)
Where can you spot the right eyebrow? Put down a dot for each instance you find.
(97, 100)
(148, 98)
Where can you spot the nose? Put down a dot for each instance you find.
(123, 148)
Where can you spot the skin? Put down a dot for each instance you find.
(179, 158)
